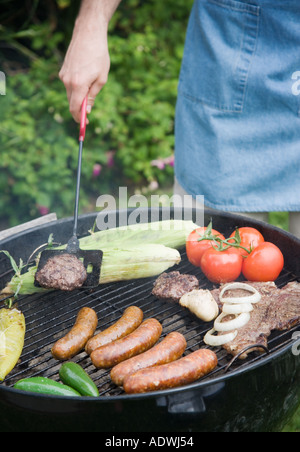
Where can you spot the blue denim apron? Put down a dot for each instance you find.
(238, 110)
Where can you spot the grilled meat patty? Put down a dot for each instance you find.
(172, 286)
(279, 309)
(63, 272)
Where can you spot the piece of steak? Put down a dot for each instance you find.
(286, 310)
(172, 286)
(63, 272)
(279, 309)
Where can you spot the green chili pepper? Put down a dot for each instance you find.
(74, 375)
(42, 385)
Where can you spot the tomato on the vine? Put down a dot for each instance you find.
(200, 240)
(264, 263)
(248, 238)
(222, 266)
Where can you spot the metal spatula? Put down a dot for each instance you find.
(91, 259)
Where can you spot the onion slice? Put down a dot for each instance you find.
(237, 308)
(216, 341)
(254, 298)
(240, 321)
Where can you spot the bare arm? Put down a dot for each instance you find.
(87, 63)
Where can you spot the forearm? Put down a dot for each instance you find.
(97, 10)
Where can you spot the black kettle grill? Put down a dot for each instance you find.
(259, 394)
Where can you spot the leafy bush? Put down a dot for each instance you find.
(130, 138)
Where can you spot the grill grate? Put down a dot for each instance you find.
(50, 316)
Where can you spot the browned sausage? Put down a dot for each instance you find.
(168, 350)
(140, 340)
(131, 319)
(75, 341)
(178, 373)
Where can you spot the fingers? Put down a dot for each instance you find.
(76, 99)
(76, 92)
(90, 104)
(93, 92)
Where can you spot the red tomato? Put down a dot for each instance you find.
(196, 249)
(250, 239)
(264, 263)
(222, 266)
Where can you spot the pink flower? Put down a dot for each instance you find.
(160, 164)
(110, 158)
(170, 160)
(97, 170)
(153, 185)
(43, 210)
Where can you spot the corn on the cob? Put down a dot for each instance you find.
(131, 252)
(170, 233)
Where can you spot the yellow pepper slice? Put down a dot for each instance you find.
(12, 335)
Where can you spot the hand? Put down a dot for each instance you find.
(86, 66)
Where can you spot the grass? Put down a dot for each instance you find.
(279, 219)
(294, 425)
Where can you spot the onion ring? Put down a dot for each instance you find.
(255, 298)
(216, 341)
(240, 321)
(237, 308)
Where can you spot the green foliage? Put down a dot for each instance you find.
(133, 119)
(294, 424)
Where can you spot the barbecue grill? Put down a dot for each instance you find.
(258, 394)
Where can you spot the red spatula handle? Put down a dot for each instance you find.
(83, 119)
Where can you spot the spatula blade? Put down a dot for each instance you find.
(91, 259)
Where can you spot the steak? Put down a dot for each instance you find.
(278, 309)
(287, 308)
(63, 272)
(172, 286)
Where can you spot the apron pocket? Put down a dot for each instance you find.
(220, 43)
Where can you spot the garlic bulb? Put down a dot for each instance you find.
(201, 303)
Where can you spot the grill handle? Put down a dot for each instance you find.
(83, 119)
(74, 243)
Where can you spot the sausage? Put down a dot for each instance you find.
(131, 319)
(178, 373)
(168, 350)
(139, 341)
(75, 341)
